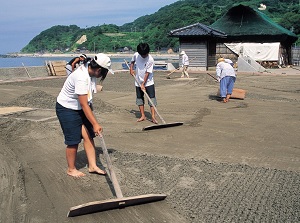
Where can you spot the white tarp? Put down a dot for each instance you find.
(257, 51)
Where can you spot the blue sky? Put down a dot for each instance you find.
(20, 21)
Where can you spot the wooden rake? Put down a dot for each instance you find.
(120, 201)
(156, 126)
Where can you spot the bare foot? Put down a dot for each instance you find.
(141, 119)
(97, 170)
(227, 97)
(75, 173)
(154, 121)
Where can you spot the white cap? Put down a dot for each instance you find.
(182, 52)
(83, 55)
(103, 61)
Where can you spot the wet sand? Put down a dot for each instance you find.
(233, 162)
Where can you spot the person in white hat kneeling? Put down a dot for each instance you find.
(75, 115)
(185, 64)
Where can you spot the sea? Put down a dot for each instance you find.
(39, 61)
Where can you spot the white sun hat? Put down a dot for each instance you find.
(104, 61)
(83, 55)
(182, 52)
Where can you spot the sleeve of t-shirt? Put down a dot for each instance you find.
(133, 59)
(149, 66)
(218, 70)
(81, 86)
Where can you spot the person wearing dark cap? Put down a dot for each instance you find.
(74, 112)
(71, 65)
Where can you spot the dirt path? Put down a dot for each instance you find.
(234, 162)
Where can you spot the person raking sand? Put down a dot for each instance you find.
(144, 63)
(75, 115)
(226, 76)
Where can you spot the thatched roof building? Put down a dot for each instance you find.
(241, 24)
(244, 24)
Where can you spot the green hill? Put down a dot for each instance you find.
(154, 28)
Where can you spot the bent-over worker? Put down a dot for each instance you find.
(71, 65)
(226, 75)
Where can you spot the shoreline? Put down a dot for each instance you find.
(115, 55)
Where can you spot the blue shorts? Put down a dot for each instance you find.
(71, 122)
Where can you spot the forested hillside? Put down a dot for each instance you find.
(154, 28)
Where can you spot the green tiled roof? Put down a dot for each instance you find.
(242, 23)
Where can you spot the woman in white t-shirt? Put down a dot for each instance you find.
(144, 63)
(74, 111)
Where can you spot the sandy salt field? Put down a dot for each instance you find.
(234, 162)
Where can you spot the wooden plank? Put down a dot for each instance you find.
(51, 68)
(236, 93)
(26, 70)
(98, 206)
(59, 67)
(48, 69)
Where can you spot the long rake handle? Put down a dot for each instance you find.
(113, 176)
(151, 102)
(212, 77)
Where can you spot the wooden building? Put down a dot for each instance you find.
(199, 43)
(241, 24)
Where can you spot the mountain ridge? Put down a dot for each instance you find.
(154, 28)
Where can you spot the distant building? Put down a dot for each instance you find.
(241, 24)
(199, 43)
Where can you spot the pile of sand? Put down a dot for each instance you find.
(40, 99)
(102, 106)
(203, 80)
(35, 99)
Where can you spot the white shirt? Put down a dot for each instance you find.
(229, 61)
(143, 66)
(224, 69)
(185, 60)
(77, 83)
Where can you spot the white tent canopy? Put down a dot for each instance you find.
(257, 51)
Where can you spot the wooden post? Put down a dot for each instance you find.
(26, 71)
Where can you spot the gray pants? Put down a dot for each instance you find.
(140, 95)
